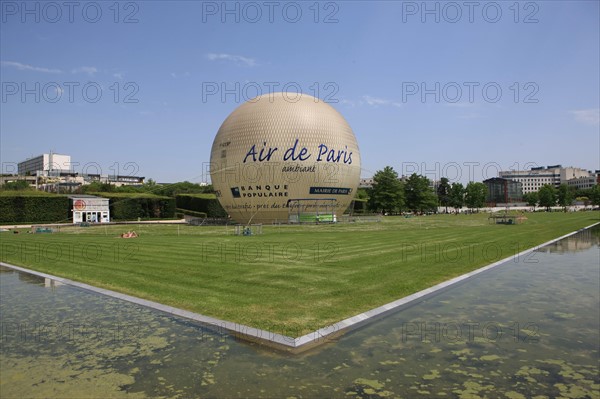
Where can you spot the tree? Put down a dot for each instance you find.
(586, 201)
(582, 192)
(361, 200)
(564, 196)
(457, 196)
(595, 195)
(97, 187)
(419, 195)
(362, 193)
(387, 194)
(443, 192)
(171, 190)
(547, 196)
(531, 199)
(475, 194)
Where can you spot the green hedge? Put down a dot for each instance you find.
(360, 205)
(23, 208)
(187, 212)
(130, 206)
(205, 203)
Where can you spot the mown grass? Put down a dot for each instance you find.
(290, 279)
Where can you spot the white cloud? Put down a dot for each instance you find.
(85, 69)
(376, 101)
(25, 67)
(118, 75)
(589, 116)
(237, 59)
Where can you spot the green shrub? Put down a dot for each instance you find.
(131, 206)
(24, 208)
(360, 205)
(205, 203)
(183, 212)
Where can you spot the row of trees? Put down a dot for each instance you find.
(390, 195)
(456, 195)
(548, 196)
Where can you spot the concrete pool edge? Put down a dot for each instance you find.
(307, 341)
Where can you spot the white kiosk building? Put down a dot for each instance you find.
(90, 209)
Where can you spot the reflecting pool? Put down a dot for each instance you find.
(527, 328)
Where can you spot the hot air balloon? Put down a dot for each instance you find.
(285, 157)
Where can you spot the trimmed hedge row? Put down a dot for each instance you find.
(187, 212)
(205, 203)
(130, 206)
(35, 208)
(23, 208)
(360, 205)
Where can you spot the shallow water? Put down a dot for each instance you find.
(528, 327)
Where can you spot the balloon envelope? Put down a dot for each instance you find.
(284, 154)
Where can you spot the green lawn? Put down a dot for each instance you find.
(290, 279)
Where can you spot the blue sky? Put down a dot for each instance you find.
(528, 75)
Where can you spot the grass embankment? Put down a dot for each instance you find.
(291, 279)
(28, 193)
